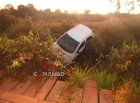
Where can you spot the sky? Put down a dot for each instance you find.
(96, 6)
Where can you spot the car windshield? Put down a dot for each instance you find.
(68, 43)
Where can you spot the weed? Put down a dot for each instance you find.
(129, 92)
(24, 55)
(104, 79)
(79, 76)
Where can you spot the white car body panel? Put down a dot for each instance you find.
(79, 33)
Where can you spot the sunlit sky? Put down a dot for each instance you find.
(96, 6)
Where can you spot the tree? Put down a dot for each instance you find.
(9, 7)
(47, 14)
(130, 5)
(48, 11)
(22, 10)
(118, 5)
(32, 11)
(66, 11)
(87, 11)
(127, 5)
(58, 11)
(74, 12)
(30, 6)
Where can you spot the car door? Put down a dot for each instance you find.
(78, 51)
(81, 47)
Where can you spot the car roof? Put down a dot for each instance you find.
(79, 32)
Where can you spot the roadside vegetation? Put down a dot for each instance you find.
(112, 58)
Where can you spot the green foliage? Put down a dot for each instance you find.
(104, 79)
(22, 27)
(113, 34)
(132, 84)
(26, 54)
(125, 61)
(79, 76)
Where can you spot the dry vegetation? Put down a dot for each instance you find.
(26, 34)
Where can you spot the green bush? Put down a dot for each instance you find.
(112, 34)
(124, 61)
(22, 27)
(25, 54)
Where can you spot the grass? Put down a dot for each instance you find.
(129, 92)
(104, 79)
(79, 76)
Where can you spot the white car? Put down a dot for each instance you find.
(73, 42)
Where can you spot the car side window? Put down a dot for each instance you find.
(82, 45)
(89, 38)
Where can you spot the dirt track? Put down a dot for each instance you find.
(110, 20)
